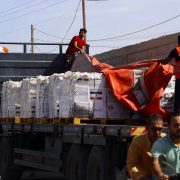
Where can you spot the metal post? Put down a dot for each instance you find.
(24, 48)
(32, 39)
(84, 15)
(60, 49)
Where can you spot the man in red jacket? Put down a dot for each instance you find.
(76, 45)
(175, 54)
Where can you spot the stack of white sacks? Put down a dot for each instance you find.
(28, 97)
(41, 97)
(66, 95)
(10, 99)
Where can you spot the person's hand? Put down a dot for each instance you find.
(81, 51)
(163, 177)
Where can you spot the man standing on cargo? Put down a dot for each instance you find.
(166, 151)
(175, 54)
(76, 45)
(139, 163)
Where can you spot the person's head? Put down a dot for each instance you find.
(82, 32)
(174, 125)
(154, 126)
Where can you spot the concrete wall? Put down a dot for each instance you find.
(155, 48)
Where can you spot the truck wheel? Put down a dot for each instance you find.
(76, 163)
(8, 171)
(100, 165)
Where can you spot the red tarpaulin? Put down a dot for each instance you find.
(151, 84)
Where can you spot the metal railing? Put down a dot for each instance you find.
(25, 45)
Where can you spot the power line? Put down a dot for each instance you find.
(17, 17)
(135, 32)
(131, 38)
(12, 12)
(44, 40)
(16, 7)
(50, 51)
(92, 46)
(48, 34)
(72, 20)
(70, 25)
(15, 30)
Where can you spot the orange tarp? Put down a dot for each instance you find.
(121, 81)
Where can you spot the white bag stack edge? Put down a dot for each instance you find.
(41, 100)
(53, 94)
(10, 99)
(28, 97)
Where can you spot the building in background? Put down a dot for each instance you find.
(154, 48)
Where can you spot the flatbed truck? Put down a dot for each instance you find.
(91, 150)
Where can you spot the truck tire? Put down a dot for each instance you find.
(100, 165)
(76, 163)
(8, 171)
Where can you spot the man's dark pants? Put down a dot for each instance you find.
(177, 96)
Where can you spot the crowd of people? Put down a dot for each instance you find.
(155, 155)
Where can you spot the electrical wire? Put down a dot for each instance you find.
(72, 21)
(48, 34)
(116, 37)
(17, 6)
(74, 17)
(19, 10)
(41, 40)
(14, 31)
(92, 46)
(135, 32)
(17, 17)
(49, 52)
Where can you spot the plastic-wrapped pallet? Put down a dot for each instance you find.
(98, 96)
(115, 110)
(75, 97)
(82, 95)
(41, 101)
(167, 99)
(4, 100)
(15, 100)
(8, 96)
(85, 95)
(28, 95)
(10, 101)
(66, 97)
(54, 86)
(81, 101)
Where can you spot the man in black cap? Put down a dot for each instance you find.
(76, 45)
(175, 54)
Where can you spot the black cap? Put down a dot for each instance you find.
(83, 29)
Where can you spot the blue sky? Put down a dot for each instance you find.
(105, 19)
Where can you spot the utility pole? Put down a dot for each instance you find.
(84, 15)
(32, 38)
(84, 12)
